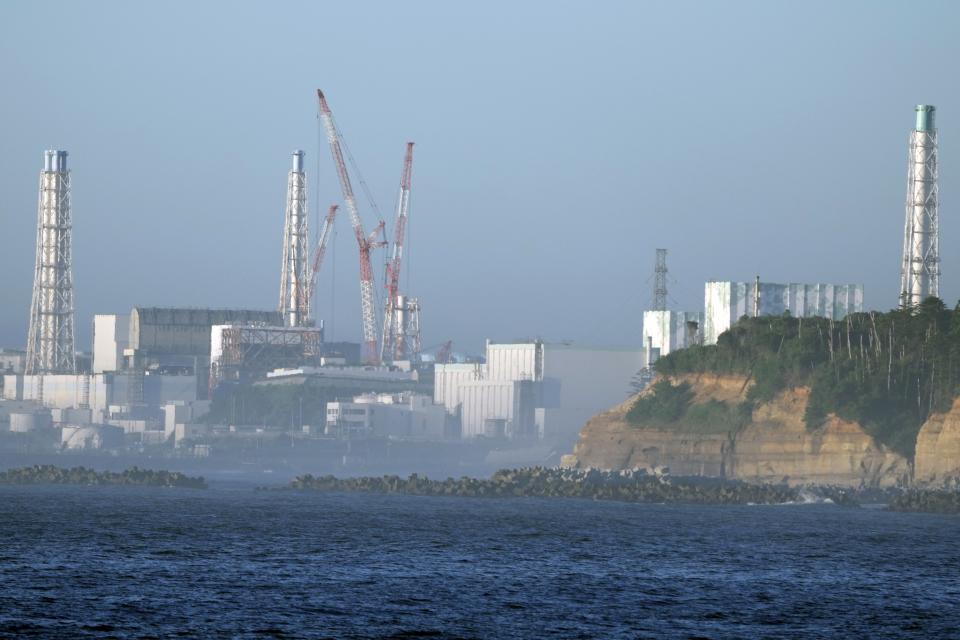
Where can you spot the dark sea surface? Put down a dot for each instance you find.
(231, 562)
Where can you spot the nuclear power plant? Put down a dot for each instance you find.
(181, 380)
(920, 270)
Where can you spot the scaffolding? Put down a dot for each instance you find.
(247, 352)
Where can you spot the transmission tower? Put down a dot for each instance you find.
(294, 281)
(50, 347)
(660, 281)
(920, 271)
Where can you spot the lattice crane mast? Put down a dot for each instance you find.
(392, 345)
(320, 251)
(364, 242)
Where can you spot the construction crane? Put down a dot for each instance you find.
(394, 314)
(321, 250)
(445, 352)
(364, 242)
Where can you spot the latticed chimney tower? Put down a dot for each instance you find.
(294, 280)
(920, 270)
(50, 345)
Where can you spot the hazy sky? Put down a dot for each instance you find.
(558, 144)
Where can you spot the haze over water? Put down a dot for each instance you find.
(558, 144)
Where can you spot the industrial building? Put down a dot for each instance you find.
(399, 415)
(241, 353)
(111, 339)
(348, 378)
(60, 391)
(181, 420)
(535, 389)
(173, 335)
(667, 330)
(98, 392)
(725, 302)
(164, 340)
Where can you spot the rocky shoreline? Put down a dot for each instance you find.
(636, 486)
(50, 474)
(540, 482)
(926, 501)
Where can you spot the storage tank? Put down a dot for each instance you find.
(90, 437)
(23, 422)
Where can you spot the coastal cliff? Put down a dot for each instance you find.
(937, 461)
(773, 444)
(872, 400)
(777, 446)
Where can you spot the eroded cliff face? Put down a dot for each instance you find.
(775, 446)
(937, 460)
(607, 441)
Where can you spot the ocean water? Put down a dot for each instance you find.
(231, 562)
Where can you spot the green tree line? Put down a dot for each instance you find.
(887, 371)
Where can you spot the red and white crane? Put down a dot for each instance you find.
(392, 345)
(364, 242)
(321, 250)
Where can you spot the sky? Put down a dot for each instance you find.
(558, 144)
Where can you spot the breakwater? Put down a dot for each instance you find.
(540, 482)
(50, 474)
(926, 501)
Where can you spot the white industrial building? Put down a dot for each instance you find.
(111, 337)
(665, 331)
(535, 389)
(180, 420)
(725, 302)
(98, 392)
(400, 415)
(62, 391)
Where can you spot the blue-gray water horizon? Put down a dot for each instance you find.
(231, 562)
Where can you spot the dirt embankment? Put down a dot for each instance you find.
(774, 446)
(937, 460)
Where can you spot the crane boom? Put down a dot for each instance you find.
(392, 343)
(321, 250)
(403, 211)
(364, 243)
